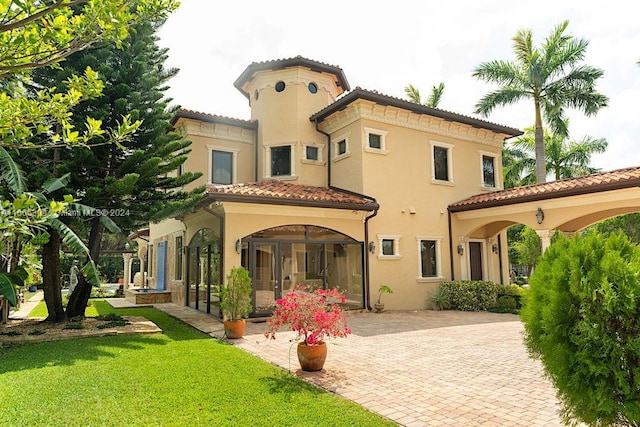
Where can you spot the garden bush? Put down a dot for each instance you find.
(470, 295)
(507, 304)
(581, 319)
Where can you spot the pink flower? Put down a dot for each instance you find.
(313, 315)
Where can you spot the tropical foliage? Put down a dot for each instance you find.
(434, 97)
(564, 158)
(551, 75)
(580, 318)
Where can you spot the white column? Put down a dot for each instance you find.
(126, 257)
(545, 237)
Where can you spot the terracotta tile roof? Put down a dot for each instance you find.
(213, 118)
(594, 183)
(296, 61)
(379, 98)
(283, 193)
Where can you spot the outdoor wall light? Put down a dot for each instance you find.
(372, 247)
(494, 248)
(540, 215)
(238, 246)
(460, 249)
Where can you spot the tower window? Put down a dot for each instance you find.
(313, 88)
(280, 86)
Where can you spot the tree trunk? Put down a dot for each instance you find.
(541, 167)
(79, 299)
(51, 277)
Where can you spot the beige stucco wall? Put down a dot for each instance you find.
(284, 119)
(206, 137)
(413, 206)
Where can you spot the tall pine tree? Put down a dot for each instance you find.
(135, 182)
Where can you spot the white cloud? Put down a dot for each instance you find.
(384, 45)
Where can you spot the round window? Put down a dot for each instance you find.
(313, 88)
(280, 86)
(256, 94)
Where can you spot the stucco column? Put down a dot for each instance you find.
(126, 257)
(545, 237)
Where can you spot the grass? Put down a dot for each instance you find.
(40, 310)
(177, 378)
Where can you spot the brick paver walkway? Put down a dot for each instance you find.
(423, 368)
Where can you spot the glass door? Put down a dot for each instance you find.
(266, 277)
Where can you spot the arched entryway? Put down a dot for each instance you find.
(204, 270)
(280, 258)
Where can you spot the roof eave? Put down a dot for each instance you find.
(239, 198)
(359, 93)
(547, 196)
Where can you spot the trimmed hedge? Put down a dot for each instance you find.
(470, 295)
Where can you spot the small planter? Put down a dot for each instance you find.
(312, 357)
(379, 307)
(234, 329)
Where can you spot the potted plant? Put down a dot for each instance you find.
(383, 289)
(235, 302)
(314, 316)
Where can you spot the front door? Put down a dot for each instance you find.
(266, 277)
(475, 260)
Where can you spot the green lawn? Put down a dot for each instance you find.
(181, 377)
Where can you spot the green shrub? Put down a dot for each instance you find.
(515, 292)
(470, 295)
(507, 304)
(440, 299)
(581, 318)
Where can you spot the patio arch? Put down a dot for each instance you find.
(567, 206)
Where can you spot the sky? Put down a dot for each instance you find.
(385, 45)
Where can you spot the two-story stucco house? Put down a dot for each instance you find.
(331, 187)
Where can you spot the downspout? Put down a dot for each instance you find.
(328, 152)
(500, 259)
(367, 282)
(257, 151)
(450, 245)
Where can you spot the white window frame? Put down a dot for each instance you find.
(449, 148)
(383, 141)
(337, 157)
(234, 162)
(320, 148)
(267, 160)
(496, 181)
(396, 246)
(438, 277)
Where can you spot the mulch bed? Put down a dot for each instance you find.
(37, 330)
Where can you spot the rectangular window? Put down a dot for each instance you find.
(428, 261)
(441, 163)
(387, 247)
(342, 147)
(375, 141)
(178, 259)
(312, 153)
(488, 171)
(281, 161)
(221, 167)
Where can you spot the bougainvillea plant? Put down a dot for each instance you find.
(313, 315)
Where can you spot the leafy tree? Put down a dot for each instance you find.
(528, 248)
(564, 158)
(551, 75)
(136, 182)
(581, 319)
(37, 34)
(434, 98)
(628, 224)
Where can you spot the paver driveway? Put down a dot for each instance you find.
(429, 368)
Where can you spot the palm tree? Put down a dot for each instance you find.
(564, 158)
(550, 75)
(434, 99)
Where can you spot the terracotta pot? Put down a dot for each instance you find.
(379, 307)
(312, 357)
(234, 329)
